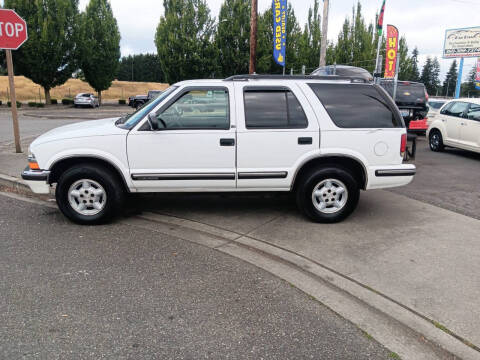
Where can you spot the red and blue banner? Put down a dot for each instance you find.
(279, 8)
(477, 76)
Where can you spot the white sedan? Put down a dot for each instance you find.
(457, 125)
(86, 99)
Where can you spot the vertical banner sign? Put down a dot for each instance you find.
(279, 8)
(392, 50)
(477, 77)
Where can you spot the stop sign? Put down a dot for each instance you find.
(13, 30)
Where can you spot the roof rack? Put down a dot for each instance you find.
(296, 77)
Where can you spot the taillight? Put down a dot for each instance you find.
(426, 95)
(403, 145)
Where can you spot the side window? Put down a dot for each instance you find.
(197, 109)
(446, 108)
(474, 112)
(273, 109)
(457, 109)
(357, 106)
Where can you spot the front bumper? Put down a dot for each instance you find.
(37, 180)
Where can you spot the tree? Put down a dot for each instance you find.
(140, 67)
(232, 39)
(309, 40)
(406, 63)
(450, 80)
(435, 85)
(468, 88)
(415, 72)
(184, 40)
(48, 58)
(100, 45)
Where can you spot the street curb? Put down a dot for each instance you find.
(15, 185)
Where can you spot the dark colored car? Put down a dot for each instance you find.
(343, 70)
(140, 100)
(412, 100)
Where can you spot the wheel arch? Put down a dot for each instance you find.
(61, 165)
(356, 166)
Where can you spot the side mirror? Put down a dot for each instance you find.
(153, 121)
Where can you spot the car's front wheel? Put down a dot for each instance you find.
(436, 141)
(89, 194)
(328, 195)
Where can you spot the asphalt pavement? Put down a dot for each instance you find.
(121, 291)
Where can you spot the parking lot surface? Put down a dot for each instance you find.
(120, 291)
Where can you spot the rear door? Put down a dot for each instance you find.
(277, 128)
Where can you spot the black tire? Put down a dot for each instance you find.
(435, 141)
(312, 179)
(115, 194)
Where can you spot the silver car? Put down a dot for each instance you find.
(86, 99)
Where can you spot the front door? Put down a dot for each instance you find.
(453, 116)
(194, 148)
(470, 129)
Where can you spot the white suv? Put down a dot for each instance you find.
(324, 138)
(457, 125)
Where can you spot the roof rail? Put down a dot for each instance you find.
(295, 77)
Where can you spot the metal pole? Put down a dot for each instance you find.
(323, 45)
(13, 99)
(253, 38)
(459, 79)
(395, 81)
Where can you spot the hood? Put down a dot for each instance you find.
(90, 128)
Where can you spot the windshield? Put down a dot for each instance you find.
(436, 104)
(131, 120)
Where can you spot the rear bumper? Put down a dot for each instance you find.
(37, 180)
(418, 125)
(391, 176)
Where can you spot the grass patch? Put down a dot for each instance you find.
(394, 355)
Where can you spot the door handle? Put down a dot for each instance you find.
(227, 142)
(305, 141)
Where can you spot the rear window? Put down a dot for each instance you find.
(357, 106)
(273, 109)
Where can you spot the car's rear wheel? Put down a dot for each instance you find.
(328, 195)
(436, 141)
(88, 194)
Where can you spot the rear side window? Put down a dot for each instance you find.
(357, 106)
(273, 109)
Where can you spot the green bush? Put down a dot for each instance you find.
(67, 101)
(19, 104)
(1, 102)
(40, 105)
(53, 101)
(32, 104)
(122, 102)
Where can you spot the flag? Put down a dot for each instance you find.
(279, 8)
(380, 19)
(477, 75)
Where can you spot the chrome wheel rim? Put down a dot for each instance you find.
(435, 141)
(87, 197)
(330, 196)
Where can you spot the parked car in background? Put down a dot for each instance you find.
(140, 100)
(457, 125)
(434, 106)
(343, 70)
(86, 99)
(242, 134)
(411, 99)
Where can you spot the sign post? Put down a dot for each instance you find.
(13, 33)
(461, 43)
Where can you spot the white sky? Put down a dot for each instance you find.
(422, 22)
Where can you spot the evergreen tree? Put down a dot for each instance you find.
(100, 45)
(406, 63)
(184, 40)
(233, 37)
(450, 80)
(48, 58)
(140, 67)
(415, 72)
(436, 84)
(426, 77)
(468, 88)
(309, 40)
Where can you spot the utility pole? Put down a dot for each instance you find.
(13, 101)
(323, 46)
(253, 38)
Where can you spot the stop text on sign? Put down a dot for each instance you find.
(13, 30)
(392, 50)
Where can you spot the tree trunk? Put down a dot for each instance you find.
(47, 96)
(99, 97)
